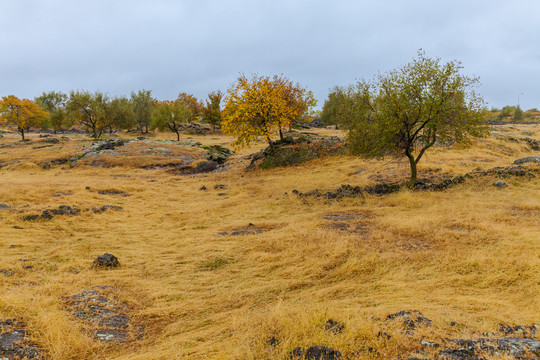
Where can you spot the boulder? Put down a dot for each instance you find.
(106, 260)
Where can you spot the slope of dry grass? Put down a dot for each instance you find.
(470, 254)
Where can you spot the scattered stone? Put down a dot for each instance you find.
(5, 207)
(316, 353)
(273, 341)
(411, 319)
(500, 184)
(6, 273)
(113, 192)
(14, 343)
(342, 217)
(48, 214)
(111, 335)
(334, 326)
(202, 188)
(109, 145)
(519, 330)
(106, 260)
(46, 166)
(533, 159)
(218, 154)
(220, 186)
(105, 208)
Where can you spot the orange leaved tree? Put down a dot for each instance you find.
(261, 106)
(22, 113)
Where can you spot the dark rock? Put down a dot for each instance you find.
(222, 194)
(334, 326)
(202, 188)
(112, 335)
(110, 145)
(458, 354)
(4, 207)
(113, 192)
(115, 321)
(105, 208)
(46, 166)
(410, 319)
(342, 217)
(321, 353)
(6, 272)
(533, 159)
(217, 154)
(272, 341)
(220, 186)
(14, 343)
(500, 184)
(106, 260)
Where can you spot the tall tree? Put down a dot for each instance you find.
(89, 111)
(54, 103)
(261, 106)
(119, 113)
(169, 115)
(406, 111)
(193, 104)
(143, 105)
(212, 111)
(22, 113)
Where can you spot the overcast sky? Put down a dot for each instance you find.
(198, 46)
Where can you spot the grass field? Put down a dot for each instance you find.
(195, 289)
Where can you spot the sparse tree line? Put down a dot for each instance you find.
(515, 113)
(401, 113)
(97, 112)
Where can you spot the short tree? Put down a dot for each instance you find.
(22, 113)
(54, 103)
(518, 114)
(261, 106)
(212, 111)
(169, 115)
(88, 110)
(195, 106)
(143, 105)
(406, 111)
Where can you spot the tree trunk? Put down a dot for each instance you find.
(21, 130)
(146, 126)
(412, 163)
(280, 134)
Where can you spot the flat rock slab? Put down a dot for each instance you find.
(14, 342)
(105, 317)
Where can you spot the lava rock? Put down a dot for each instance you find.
(500, 184)
(535, 159)
(106, 260)
(334, 326)
(316, 353)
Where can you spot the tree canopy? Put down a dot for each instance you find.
(212, 111)
(23, 113)
(143, 105)
(261, 106)
(169, 115)
(195, 106)
(406, 111)
(88, 110)
(54, 103)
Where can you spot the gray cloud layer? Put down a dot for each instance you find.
(169, 46)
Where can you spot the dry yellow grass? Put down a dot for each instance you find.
(470, 254)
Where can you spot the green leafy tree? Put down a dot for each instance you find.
(169, 115)
(212, 111)
(406, 111)
(143, 106)
(89, 110)
(518, 114)
(119, 113)
(54, 103)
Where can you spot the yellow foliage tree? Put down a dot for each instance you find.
(22, 113)
(261, 106)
